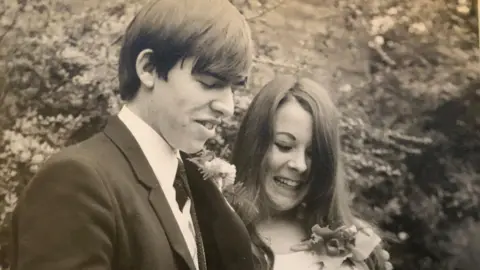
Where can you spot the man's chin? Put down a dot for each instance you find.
(192, 151)
(193, 148)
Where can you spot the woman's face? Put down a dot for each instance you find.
(289, 157)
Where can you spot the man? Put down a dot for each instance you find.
(115, 201)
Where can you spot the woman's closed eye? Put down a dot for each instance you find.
(283, 147)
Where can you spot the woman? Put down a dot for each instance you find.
(289, 175)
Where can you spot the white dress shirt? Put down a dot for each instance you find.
(164, 162)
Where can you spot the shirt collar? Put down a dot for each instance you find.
(162, 157)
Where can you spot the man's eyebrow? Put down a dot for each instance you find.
(215, 75)
(240, 82)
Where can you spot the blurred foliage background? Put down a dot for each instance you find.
(405, 74)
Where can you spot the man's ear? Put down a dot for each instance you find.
(145, 69)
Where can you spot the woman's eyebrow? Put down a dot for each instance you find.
(289, 135)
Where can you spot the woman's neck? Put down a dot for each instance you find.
(273, 214)
(281, 232)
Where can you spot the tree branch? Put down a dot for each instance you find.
(6, 89)
(267, 10)
(478, 23)
(385, 57)
(10, 27)
(275, 63)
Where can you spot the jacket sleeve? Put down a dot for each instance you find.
(64, 220)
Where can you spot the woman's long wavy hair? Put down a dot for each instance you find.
(327, 199)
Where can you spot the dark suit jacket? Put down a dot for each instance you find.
(98, 205)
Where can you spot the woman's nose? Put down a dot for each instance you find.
(298, 162)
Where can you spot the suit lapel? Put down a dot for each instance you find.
(217, 217)
(166, 217)
(124, 140)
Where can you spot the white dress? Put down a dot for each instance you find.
(309, 261)
(297, 261)
(281, 235)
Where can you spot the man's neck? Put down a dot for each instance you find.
(138, 111)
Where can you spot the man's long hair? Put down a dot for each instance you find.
(211, 31)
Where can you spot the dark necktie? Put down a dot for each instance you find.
(182, 195)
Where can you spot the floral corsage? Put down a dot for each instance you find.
(215, 169)
(336, 246)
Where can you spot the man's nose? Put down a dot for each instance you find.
(224, 104)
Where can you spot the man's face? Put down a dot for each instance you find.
(187, 108)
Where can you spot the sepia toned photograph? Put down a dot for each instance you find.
(239, 135)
